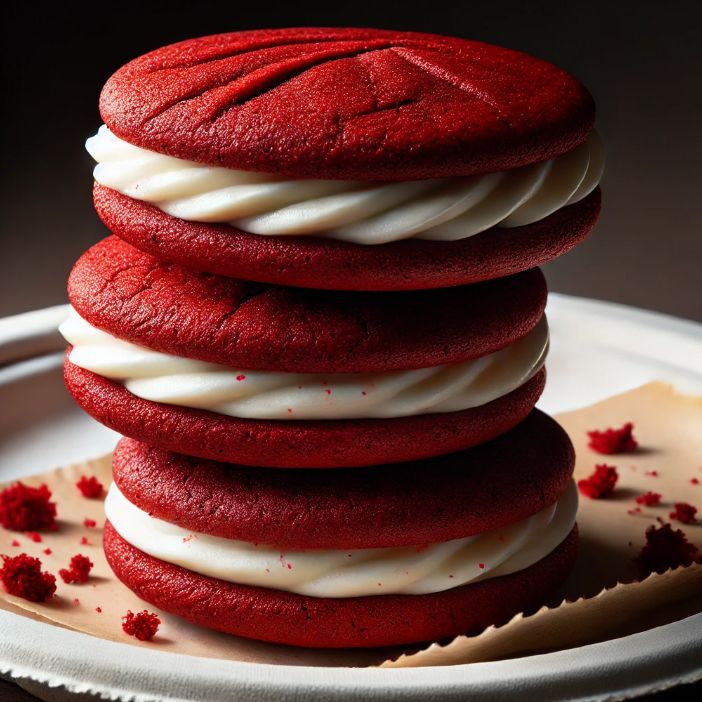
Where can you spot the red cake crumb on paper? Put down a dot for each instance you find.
(684, 513)
(695, 481)
(78, 571)
(22, 577)
(77, 601)
(652, 473)
(650, 499)
(15, 542)
(634, 512)
(89, 523)
(23, 508)
(600, 484)
(90, 487)
(613, 440)
(143, 625)
(34, 536)
(99, 610)
(84, 541)
(664, 549)
(47, 551)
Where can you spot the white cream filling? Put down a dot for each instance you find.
(362, 212)
(276, 395)
(410, 570)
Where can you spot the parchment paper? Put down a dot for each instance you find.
(669, 429)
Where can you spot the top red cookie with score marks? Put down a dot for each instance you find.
(176, 310)
(413, 105)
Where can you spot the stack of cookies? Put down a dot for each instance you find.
(319, 326)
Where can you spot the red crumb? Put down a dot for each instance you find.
(22, 577)
(90, 487)
(423, 547)
(89, 523)
(695, 481)
(328, 391)
(186, 539)
(47, 551)
(684, 513)
(613, 440)
(650, 499)
(15, 542)
(34, 536)
(143, 625)
(84, 541)
(600, 484)
(77, 601)
(241, 377)
(652, 473)
(481, 566)
(363, 392)
(98, 609)
(664, 549)
(634, 512)
(23, 508)
(78, 571)
(450, 576)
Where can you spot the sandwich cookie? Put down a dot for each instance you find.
(299, 419)
(490, 534)
(442, 162)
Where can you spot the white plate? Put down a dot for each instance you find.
(598, 349)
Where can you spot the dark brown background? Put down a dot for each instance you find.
(641, 62)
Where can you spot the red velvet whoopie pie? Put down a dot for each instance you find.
(414, 107)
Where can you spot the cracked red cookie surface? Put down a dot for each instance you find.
(439, 499)
(413, 106)
(234, 322)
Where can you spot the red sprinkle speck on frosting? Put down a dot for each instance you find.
(90, 487)
(650, 499)
(24, 508)
(143, 625)
(613, 440)
(22, 577)
(664, 549)
(78, 571)
(600, 484)
(684, 513)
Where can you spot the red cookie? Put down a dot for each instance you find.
(347, 104)
(438, 499)
(176, 310)
(297, 444)
(379, 620)
(313, 262)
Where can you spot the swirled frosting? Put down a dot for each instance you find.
(411, 570)
(356, 211)
(275, 395)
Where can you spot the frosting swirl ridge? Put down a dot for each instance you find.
(361, 212)
(409, 570)
(277, 395)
